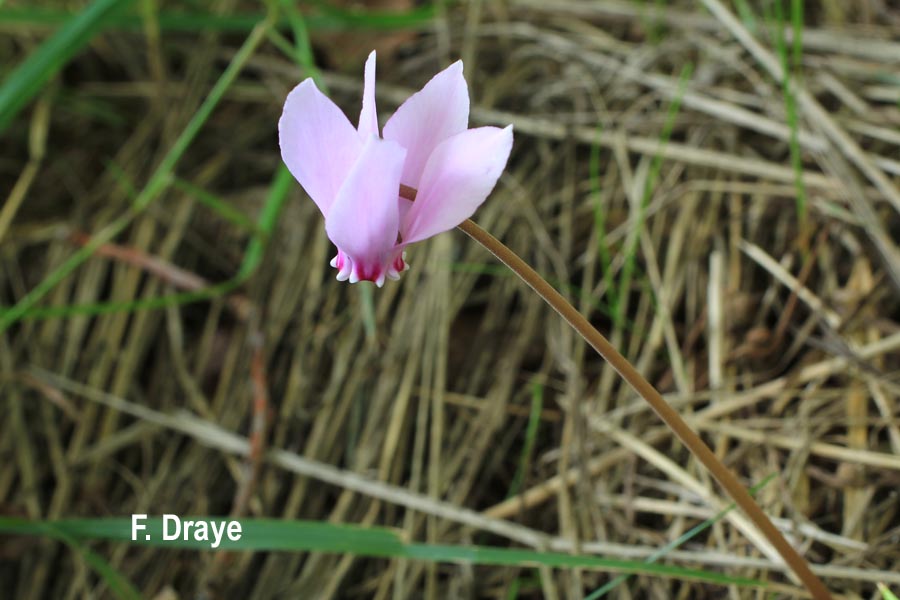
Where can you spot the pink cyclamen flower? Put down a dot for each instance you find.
(354, 174)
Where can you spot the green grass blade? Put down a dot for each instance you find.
(275, 200)
(534, 421)
(36, 17)
(221, 207)
(117, 583)
(268, 219)
(126, 185)
(513, 592)
(159, 302)
(680, 540)
(316, 536)
(886, 593)
(334, 19)
(790, 103)
(302, 52)
(792, 112)
(651, 20)
(746, 14)
(158, 182)
(629, 265)
(600, 223)
(29, 78)
(797, 28)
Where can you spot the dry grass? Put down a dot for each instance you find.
(779, 340)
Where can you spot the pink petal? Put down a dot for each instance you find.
(318, 143)
(363, 221)
(368, 117)
(428, 117)
(460, 174)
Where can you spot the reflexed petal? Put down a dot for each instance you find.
(460, 174)
(368, 116)
(364, 219)
(318, 143)
(428, 117)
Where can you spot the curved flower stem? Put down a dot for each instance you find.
(662, 408)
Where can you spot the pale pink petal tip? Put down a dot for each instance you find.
(344, 266)
(368, 116)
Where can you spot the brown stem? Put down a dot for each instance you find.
(662, 408)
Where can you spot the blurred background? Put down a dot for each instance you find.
(713, 183)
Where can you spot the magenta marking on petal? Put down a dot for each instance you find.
(375, 273)
(343, 264)
(368, 274)
(340, 261)
(397, 266)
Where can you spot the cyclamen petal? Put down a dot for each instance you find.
(364, 219)
(428, 117)
(457, 179)
(318, 143)
(368, 116)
